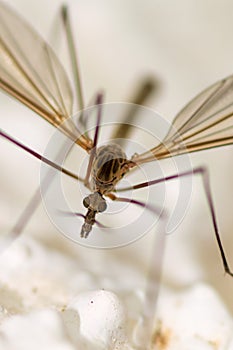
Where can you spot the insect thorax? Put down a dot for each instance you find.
(109, 166)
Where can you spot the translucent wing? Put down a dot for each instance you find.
(31, 72)
(206, 122)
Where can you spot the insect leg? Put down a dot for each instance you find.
(73, 56)
(206, 184)
(151, 208)
(123, 130)
(99, 101)
(26, 215)
(147, 320)
(35, 200)
(75, 66)
(144, 328)
(39, 156)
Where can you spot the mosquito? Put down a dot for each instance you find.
(38, 80)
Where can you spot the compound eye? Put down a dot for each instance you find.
(86, 202)
(102, 206)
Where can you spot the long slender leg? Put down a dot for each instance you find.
(35, 200)
(39, 156)
(75, 65)
(147, 322)
(85, 115)
(145, 90)
(99, 101)
(73, 56)
(153, 209)
(26, 214)
(206, 184)
(145, 325)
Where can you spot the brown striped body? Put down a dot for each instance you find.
(109, 166)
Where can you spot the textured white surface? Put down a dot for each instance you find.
(38, 330)
(188, 45)
(41, 305)
(196, 317)
(100, 318)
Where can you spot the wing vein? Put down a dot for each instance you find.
(23, 72)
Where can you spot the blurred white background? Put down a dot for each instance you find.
(187, 46)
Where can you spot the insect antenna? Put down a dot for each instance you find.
(68, 213)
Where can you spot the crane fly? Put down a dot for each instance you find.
(32, 74)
